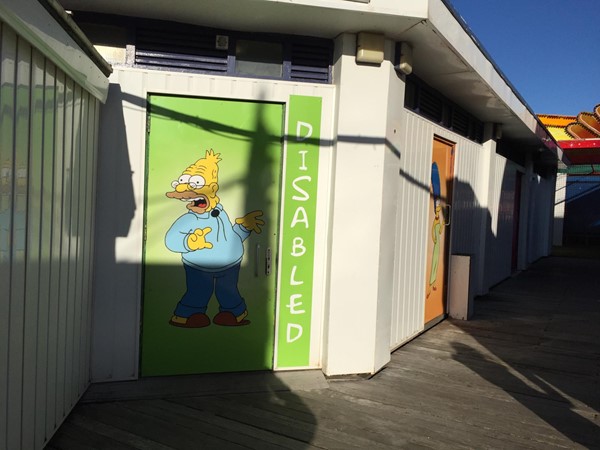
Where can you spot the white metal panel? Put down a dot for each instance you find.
(413, 198)
(121, 174)
(8, 50)
(500, 233)
(45, 325)
(469, 209)
(18, 261)
(53, 417)
(559, 208)
(32, 288)
(413, 204)
(31, 20)
(540, 217)
(65, 148)
(43, 215)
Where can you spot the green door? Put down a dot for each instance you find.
(211, 222)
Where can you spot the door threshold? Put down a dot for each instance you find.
(206, 384)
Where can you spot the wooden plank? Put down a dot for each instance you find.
(486, 384)
(278, 423)
(402, 425)
(457, 421)
(350, 422)
(112, 434)
(206, 422)
(75, 437)
(207, 384)
(166, 432)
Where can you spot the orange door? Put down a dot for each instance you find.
(440, 197)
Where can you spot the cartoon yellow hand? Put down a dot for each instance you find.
(197, 240)
(251, 221)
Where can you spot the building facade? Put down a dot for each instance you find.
(290, 185)
(368, 181)
(50, 98)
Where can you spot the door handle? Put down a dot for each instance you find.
(268, 262)
(256, 260)
(448, 216)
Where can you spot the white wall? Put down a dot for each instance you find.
(500, 233)
(48, 129)
(357, 312)
(121, 174)
(412, 184)
(541, 213)
(559, 208)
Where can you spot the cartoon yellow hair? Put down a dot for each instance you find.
(206, 167)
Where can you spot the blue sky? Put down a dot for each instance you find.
(548, 49)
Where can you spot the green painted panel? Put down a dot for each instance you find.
(247, 136)
(297, 252)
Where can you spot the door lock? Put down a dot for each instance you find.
(268, 262)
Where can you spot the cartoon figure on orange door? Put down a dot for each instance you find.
(437, 229)
(211, 248)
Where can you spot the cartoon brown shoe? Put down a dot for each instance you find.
(227, 319)
(194, 321)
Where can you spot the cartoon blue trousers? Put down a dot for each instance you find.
(202, 284)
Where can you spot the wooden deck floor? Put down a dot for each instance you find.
(524, 374)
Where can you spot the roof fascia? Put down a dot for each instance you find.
(31, 20)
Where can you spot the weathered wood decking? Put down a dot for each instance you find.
(525, 373)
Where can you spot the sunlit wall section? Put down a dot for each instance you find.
(500, 231)
(469, 211)
(48, 127)
(413, 230)
(540, 217)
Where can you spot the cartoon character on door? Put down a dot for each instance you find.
(211, 248)
(437, 228)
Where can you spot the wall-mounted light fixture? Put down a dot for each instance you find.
(369, 48)
(405, 60)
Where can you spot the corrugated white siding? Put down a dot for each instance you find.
(539, 231)
(503, 179)
(413, 201)
(412, 230)
(470, 213)
(47, 156)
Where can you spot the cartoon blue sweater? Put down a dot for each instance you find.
(227, 240)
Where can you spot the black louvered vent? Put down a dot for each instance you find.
(426, 101)
(476, 130)
(310, 62)
(460, 122)
(431, 106)
(179, 50)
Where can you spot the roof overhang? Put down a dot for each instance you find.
(446, 54)
(582, 151)
(53, 35)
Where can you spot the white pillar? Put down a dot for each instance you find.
(559, 208)
(357, 323)
(525, 214)
(487, 162)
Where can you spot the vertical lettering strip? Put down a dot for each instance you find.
(298, 234)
